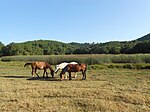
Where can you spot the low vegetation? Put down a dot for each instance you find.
(88, 59)
(109, 87)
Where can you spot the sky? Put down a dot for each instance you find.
(83, 21)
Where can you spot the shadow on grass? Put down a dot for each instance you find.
(44, 78)
(41, 78)
(15, 76)
(36, 78)
(53, 79)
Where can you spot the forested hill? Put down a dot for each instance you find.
(49, 47)
(146, 37)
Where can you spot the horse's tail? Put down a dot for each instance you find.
(27, 64)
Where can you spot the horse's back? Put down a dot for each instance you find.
(73, 63)
(76, 67)
(73, 67)
(63, 65)
(39, 64)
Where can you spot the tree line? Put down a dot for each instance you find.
(48, 47)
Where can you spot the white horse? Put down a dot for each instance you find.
(62, 66)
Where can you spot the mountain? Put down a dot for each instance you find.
(144, 38)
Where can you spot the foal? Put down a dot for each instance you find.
(74, 68)
(40, 65)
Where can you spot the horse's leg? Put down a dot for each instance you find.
(69, 75)
(44, 72)
(75, 74)
(65, 75)
(84, 75)
(61, 77)
(36, 73)
(47, 73)
(32, 73)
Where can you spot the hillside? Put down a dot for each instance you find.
(144, 38)
(49, 47)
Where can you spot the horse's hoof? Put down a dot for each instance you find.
(83, 78)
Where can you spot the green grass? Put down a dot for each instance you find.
(105, 90)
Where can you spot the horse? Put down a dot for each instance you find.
(62, 66)
(40, 65)
(74, 68)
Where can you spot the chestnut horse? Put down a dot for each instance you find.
(62, 66)
(74, 68)
(40, 65)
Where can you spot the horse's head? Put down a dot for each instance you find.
(61, 66)
(57, 68)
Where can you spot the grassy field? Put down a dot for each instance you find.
(107, 89)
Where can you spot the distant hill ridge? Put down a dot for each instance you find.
(146, 37)
(51, 47)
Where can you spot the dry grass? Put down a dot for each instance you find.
(105, 90)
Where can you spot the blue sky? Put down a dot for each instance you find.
(73, 20)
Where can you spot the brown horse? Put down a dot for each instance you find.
(74, 68)
(40, 65)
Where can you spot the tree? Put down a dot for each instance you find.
(143, 47)
(1, 46)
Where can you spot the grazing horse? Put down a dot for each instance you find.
(62, 66)
(40, 65)
(74, 68)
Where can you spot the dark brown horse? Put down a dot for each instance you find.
(74, 68)
(40, 65)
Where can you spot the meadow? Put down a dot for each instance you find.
(108, 88)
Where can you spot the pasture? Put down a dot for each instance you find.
(108, 88)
